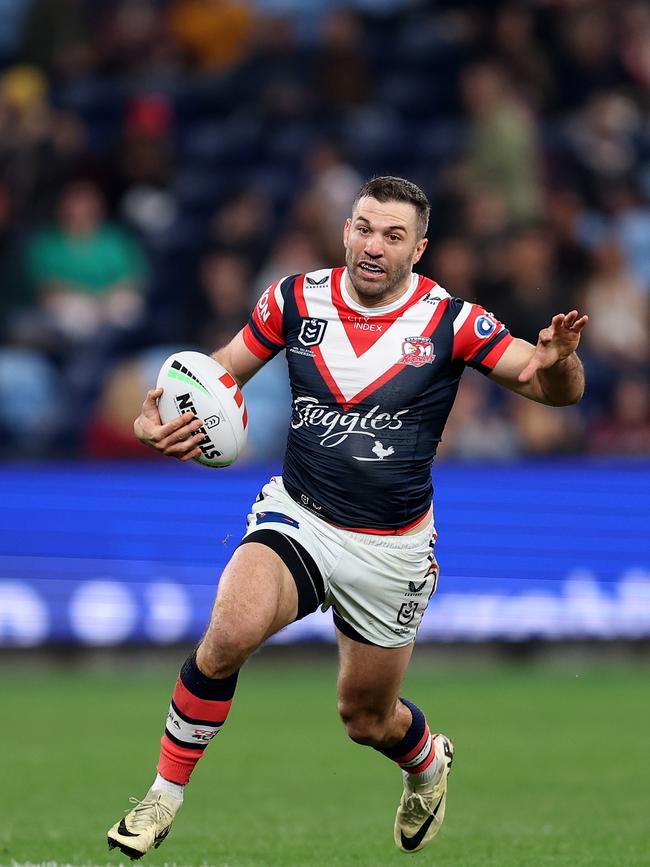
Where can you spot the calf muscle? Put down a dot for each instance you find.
(369, 684)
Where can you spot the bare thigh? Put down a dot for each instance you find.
(369, 685)
(256, 597)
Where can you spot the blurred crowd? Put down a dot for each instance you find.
(162, 161)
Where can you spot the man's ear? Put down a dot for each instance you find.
(420, 247)
(346, 231)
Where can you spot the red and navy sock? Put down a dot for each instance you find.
(198, 710)
(415, 753)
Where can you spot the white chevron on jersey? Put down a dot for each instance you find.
(353, 374)
(277, 294)
(460, 320)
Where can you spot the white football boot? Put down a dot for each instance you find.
(422, 810)
(146, 825)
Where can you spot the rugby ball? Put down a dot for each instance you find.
(195, 383)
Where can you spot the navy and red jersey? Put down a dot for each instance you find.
(371, 388)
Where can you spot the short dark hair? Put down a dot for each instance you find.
(390, 189)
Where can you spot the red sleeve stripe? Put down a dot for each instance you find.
(262, 337)
(252, 343)
(477, 359)
(485, 347)
(497, 351)
(266, 317)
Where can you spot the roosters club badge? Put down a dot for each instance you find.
(417, 351)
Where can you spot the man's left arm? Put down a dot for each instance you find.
(550, 372)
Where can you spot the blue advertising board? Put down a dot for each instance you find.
(106, 553)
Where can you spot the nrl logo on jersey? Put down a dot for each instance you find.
(417, 351)
(312, 332)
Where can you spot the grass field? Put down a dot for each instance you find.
(552, 768)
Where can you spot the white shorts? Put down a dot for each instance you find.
(378, 586)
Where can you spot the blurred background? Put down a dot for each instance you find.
(162, 162)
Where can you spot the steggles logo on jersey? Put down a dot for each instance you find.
(312, 332)
(379, 451)
(417, 351)
(338, 426)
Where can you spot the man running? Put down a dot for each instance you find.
(375, 355)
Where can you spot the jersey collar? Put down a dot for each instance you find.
(377, 311)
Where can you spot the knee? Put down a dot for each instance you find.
(223, 651)
(364, 726)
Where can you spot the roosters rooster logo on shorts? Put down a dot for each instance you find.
(417, 351)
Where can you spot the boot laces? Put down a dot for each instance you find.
(417, 807)
(147, 811)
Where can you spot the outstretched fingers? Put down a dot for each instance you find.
(580, 323)
(572, 321)
(555, 342)
(570, 318)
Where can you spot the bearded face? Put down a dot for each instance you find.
(381, 246)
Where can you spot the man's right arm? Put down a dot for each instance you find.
(179, 438)
(249, 350)
(238, 360)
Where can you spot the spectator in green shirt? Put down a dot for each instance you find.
(86, 272)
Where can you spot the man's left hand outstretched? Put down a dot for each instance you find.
(555, 343)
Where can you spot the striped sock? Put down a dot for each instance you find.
(415, 753)
(198, 709)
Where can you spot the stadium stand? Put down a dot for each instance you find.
(226, 160)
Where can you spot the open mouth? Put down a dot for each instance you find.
(370, 268)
